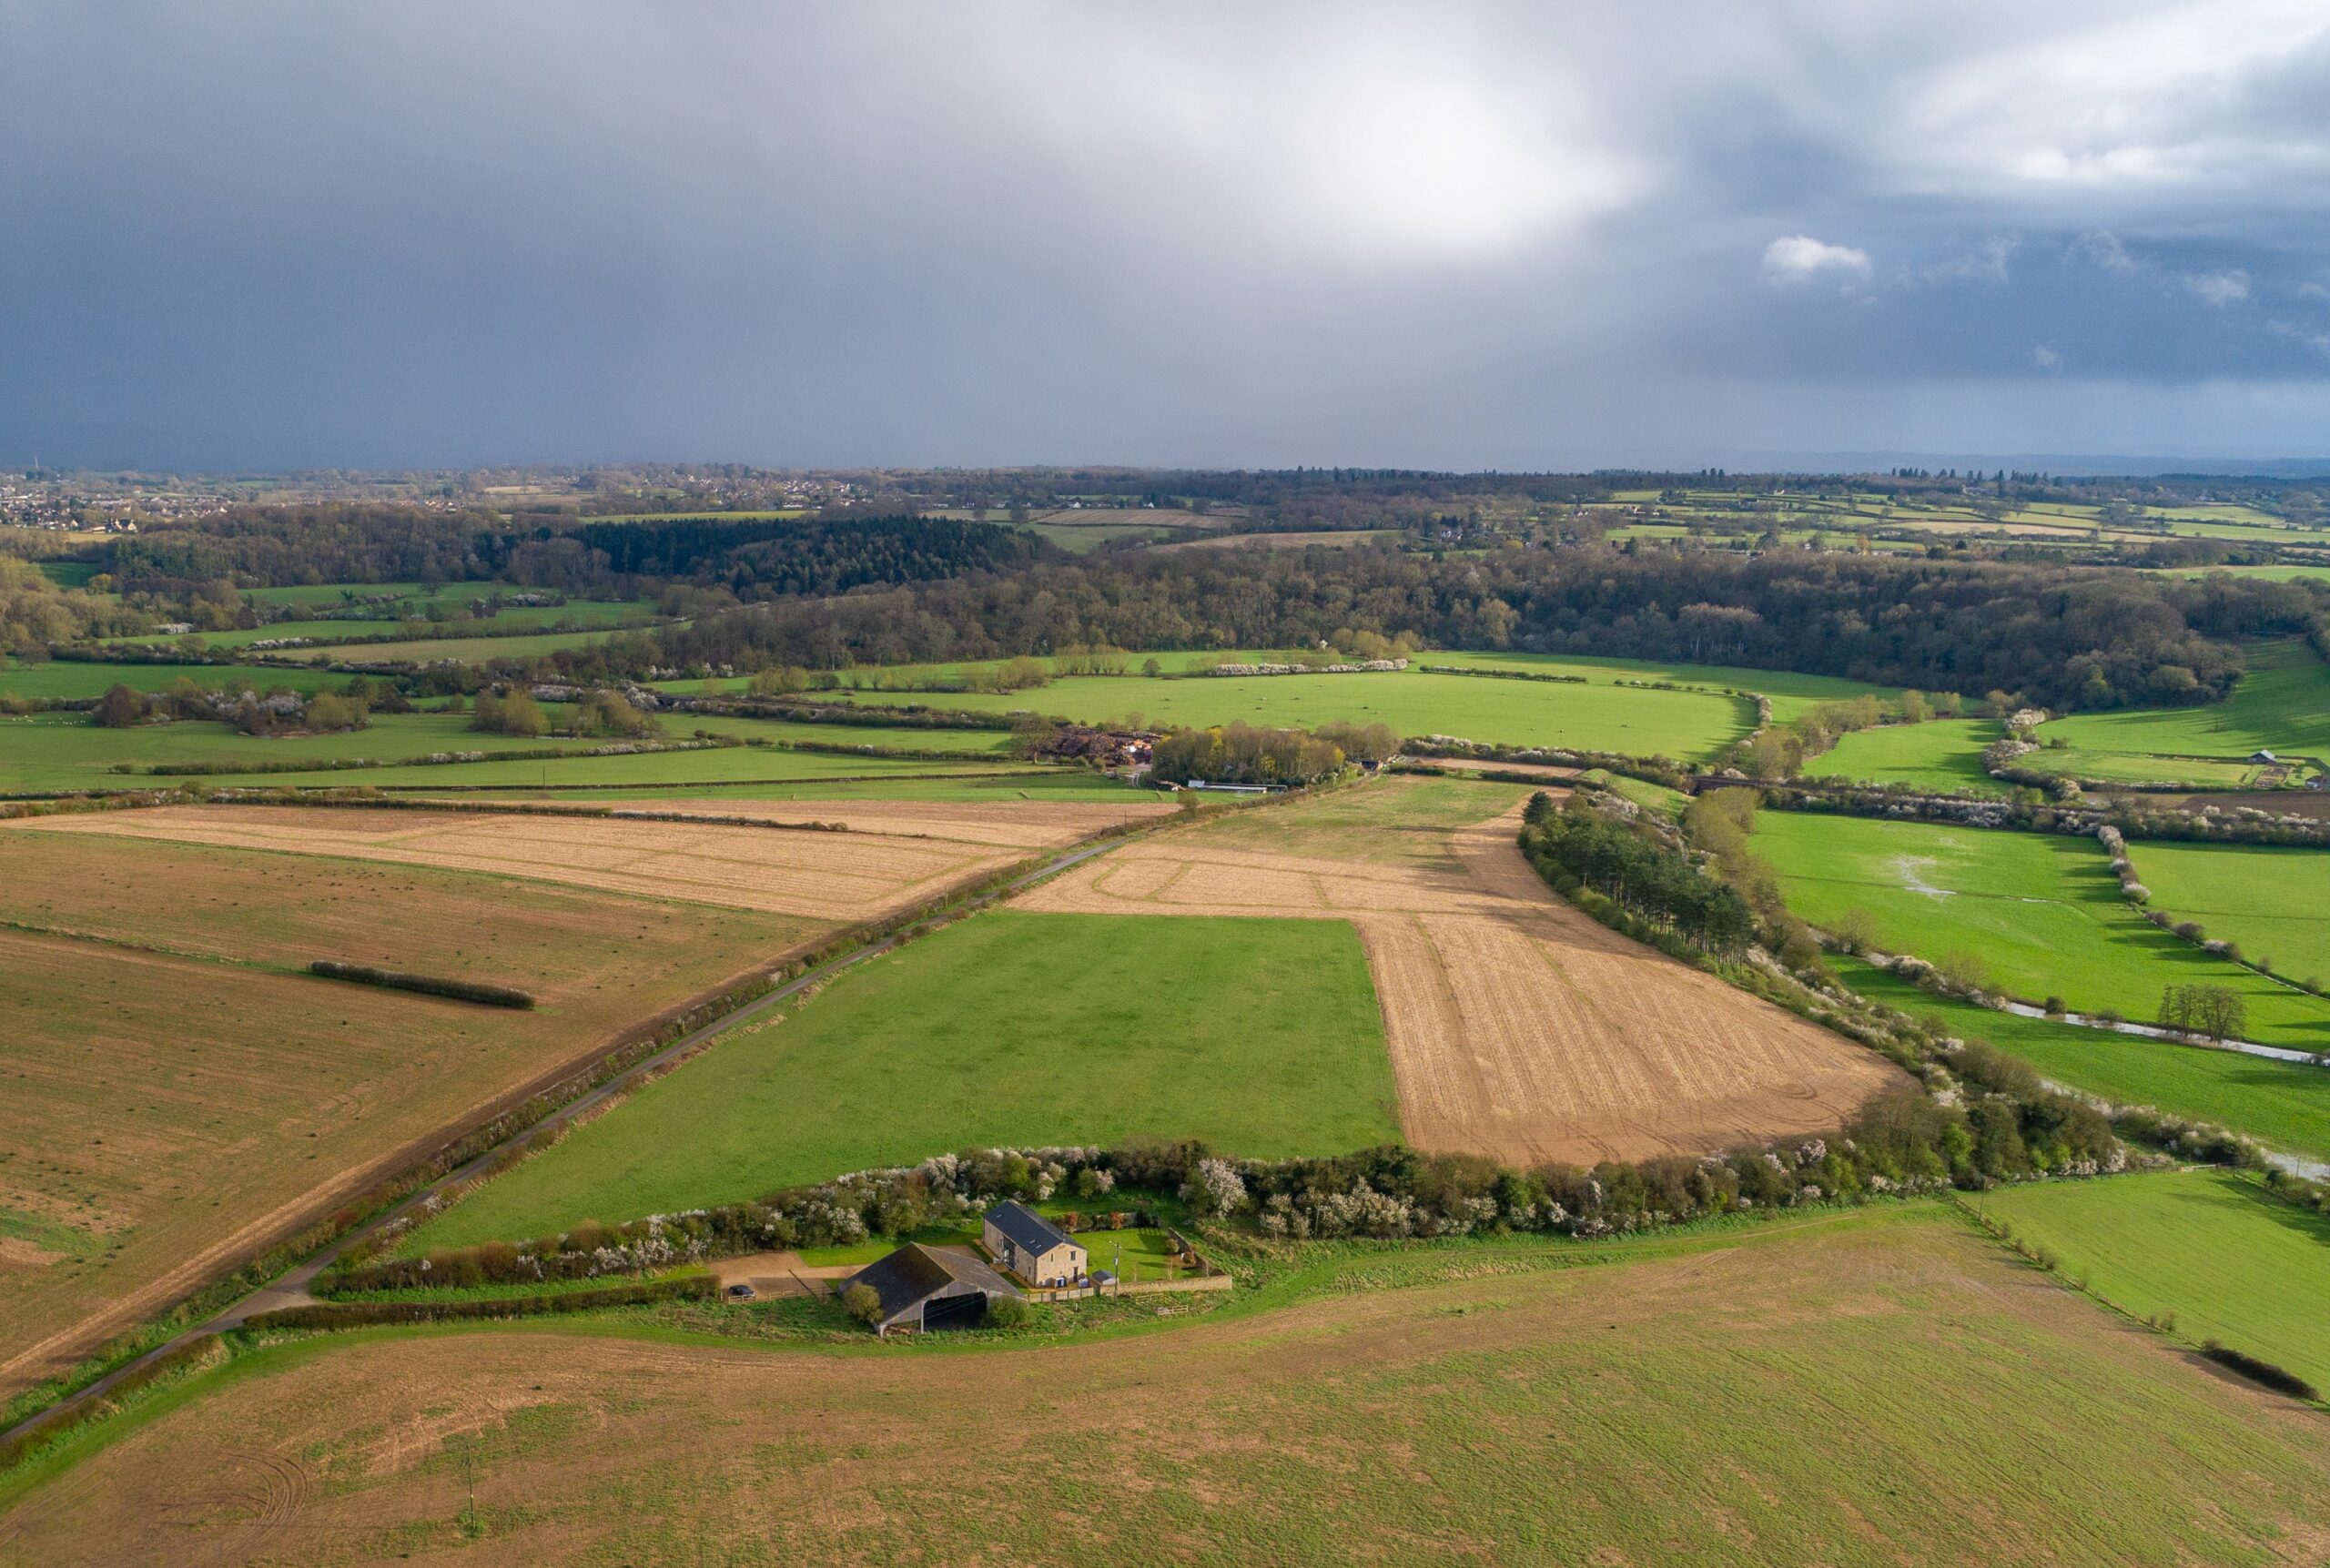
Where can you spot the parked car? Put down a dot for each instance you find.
(740, 1292)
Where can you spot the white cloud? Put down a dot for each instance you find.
(2102, 248)
(2314, 337)
(2047, 358)
(2218, 289)
(1986, 265)
(1797, 258)
(2314, 291)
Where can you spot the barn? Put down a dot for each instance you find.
(925, 1289)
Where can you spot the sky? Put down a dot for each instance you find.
(252, 234)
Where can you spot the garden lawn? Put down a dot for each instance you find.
(2284, 1105)
(1260, 1036)
(2273, 902)
(1684, 725)
(1939, 754)
(2040, 914)
(2230, 1260)
(2281, 704)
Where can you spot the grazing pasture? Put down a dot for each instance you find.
(2273, 902)
(2141, 768)
(174, 1095)
(2284, 1105)
(1939, 754)
(1519, 1028)
(449, 650)
(2228, 1258)
(1835, 1390)
(834, 877)
(2040, 915)
(63, 752)
(1259, 1036)
(2282, 703)
(1791, 693)
(1686, 726)
(74, 678)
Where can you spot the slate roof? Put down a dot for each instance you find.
(1024, 1226)
(914, 1274)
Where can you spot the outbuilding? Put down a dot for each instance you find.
(1031, 1246)
(928, 1288)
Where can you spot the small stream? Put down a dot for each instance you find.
(2295, 1165)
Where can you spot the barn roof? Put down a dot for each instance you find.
(914, 1274)
(1024, 1225)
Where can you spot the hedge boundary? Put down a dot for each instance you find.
(331, 1315)
(427, 984)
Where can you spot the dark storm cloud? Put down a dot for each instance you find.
(268, 234)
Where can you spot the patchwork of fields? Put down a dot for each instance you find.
(1836, 1392)
(1519, 1028)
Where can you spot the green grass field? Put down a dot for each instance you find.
(2233, 1262)
(441, 649)
(1940, 754)
(72, 678)
(2282, 704)
(581, 615)
(2274, 903)
(2140, 768)
(48, 752)
(1686, 726)
(1791, 693)
(2284, 1105)
(1260, 1036)
(2042, 913)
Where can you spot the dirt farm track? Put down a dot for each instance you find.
(1519, 1028)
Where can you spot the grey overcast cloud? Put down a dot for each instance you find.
(1463, 236)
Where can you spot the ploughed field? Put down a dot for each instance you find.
(857, 874)
(1835, 1390)
(177, 1095)
(1518, 1028)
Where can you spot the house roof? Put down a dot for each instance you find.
(1024, 1226)
(914, 1274)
